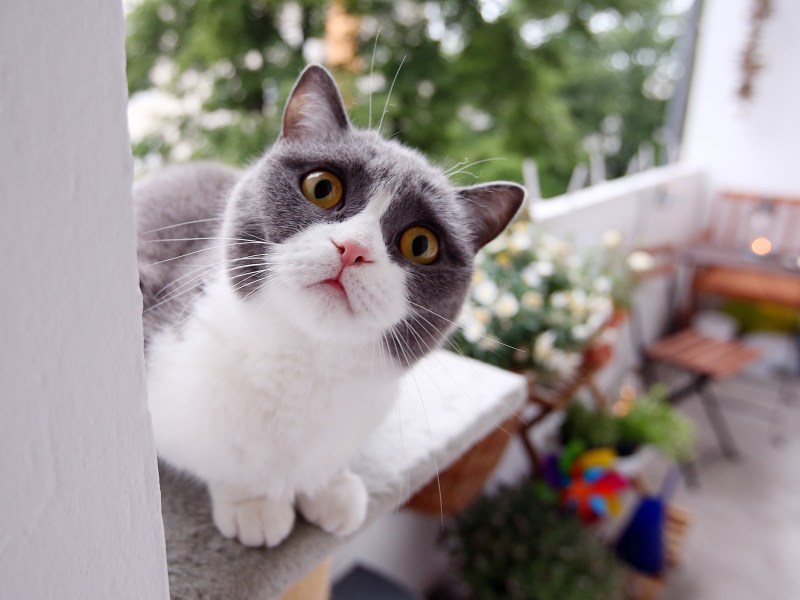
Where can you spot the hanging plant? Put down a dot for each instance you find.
(751, 60)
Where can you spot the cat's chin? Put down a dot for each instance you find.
(326, 312)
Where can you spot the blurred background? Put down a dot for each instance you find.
(581, 87)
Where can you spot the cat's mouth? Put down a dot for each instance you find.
(334, 286)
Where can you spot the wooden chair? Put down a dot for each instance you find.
(704, 359)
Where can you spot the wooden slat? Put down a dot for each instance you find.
(750, 285)
(694, 352)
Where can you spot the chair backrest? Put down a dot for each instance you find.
(738, 217)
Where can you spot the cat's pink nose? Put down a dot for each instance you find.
(353, 253)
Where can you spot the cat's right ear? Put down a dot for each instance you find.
(491, 208)
(314, 109)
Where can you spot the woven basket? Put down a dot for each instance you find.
(463, 481)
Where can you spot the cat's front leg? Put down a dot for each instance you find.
(254, 520)
(340, 507)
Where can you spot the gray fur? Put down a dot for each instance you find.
(266, 206)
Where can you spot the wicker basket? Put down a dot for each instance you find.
(463, 481)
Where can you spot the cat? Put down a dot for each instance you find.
(283, 304)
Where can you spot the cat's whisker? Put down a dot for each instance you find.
(252, 279)
(166, 260)
(206, 271)
(182, 224)
(427, 422)
(455, 166)
(466, 392)
(371, 68)
(460, 326)
(198, 239)
(474, 163)
(204, 267)
(389, 95)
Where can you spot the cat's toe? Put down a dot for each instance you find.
(255, 521)
(340, 507)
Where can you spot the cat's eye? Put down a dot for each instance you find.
(420, 245)
(322, 188)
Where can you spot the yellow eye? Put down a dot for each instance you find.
(322, 188)
(419, 245)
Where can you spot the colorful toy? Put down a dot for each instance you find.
(588, 483)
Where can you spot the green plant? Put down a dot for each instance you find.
(646, 420)
(596, 429)
(518, 544)
(651, 420)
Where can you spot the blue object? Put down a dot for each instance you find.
(362, 583)
(641, 544)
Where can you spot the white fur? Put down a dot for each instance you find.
(267, 399)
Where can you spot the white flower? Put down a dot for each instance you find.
(506, 306)
(612, 238)
(519, 243)
(640, 261)
(478, 276)
(482, 315)
(602, 285)
(485, 292)
(473, 331)
(489, 343)
(574, 262)
(564, 363)
(498, 244)
(544, 268)
(600, 307)
(582, 332)
(532, 300)
(560, 299)
(543, 346)
(552, 246)
(578, 304)
(531, 277)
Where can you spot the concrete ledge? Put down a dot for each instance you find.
(447, 404)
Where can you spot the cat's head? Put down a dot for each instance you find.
(367, 240)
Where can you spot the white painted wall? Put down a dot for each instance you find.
(750, 146)
(79, 503)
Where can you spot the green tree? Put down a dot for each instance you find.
(480, 80)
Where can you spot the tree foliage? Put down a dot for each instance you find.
(480, 80)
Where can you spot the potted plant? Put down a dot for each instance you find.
(521, 544)
(536, 304)
(643, 420)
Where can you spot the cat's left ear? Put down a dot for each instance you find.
(491, 206)
(314, 109)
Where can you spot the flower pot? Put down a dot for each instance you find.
(463, 481)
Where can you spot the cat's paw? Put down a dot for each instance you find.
(255, 521)
(340, 507)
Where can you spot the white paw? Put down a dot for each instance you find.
(254, 521)
(340, 507)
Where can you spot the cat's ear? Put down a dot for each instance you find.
(491, 206)
(314, 109)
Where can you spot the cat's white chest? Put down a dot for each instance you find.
(258, 406)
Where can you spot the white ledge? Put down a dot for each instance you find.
(447, 404)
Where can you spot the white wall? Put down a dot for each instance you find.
(79, 504)
(756, 145)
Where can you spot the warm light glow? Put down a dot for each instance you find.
(761, 246)
(621, 408)
(627, 392)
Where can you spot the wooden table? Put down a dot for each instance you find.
(735, 273)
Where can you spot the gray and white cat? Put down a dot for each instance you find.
(282, 305)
